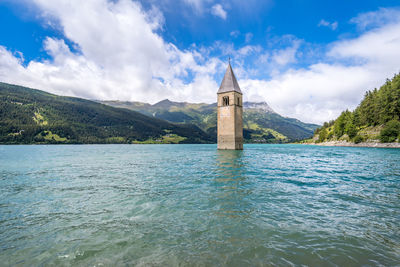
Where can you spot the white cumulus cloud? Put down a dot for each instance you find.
(248, 37)
(121, 56)
(234, 34)
(332, 25)
(218, 10)
(378, 18)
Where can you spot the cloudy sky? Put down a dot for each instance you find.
(308, 59)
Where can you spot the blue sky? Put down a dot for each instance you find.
(308, 59)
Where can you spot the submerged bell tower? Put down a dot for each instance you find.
(230, 112)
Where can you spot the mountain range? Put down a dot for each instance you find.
(261, 123)
(30, 116)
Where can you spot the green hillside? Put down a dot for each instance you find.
(261, 123)
(32, 116)
(377, 118)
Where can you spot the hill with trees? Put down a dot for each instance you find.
(377, 118)
(29, 116)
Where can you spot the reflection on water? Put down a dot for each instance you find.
(232, 188)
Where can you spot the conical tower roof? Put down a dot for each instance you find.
(229, 83)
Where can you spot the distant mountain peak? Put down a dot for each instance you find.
(167, 103)
(259, 106)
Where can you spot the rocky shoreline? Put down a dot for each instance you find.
(362, 144)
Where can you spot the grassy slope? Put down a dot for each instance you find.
(33, 116)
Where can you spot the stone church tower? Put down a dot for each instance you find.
(230, 112)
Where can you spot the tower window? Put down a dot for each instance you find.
(225, 101)
(238, 101)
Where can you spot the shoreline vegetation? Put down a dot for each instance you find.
(374, 123)
(375, 144)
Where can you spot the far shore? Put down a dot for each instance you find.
(362, 144)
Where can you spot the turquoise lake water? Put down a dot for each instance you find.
(192, 205)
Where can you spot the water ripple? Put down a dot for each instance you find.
(178, 205)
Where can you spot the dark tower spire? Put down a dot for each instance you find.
(229, 83)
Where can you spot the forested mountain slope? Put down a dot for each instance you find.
(377, 117)
(33, 116)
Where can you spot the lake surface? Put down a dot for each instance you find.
(169, 205)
